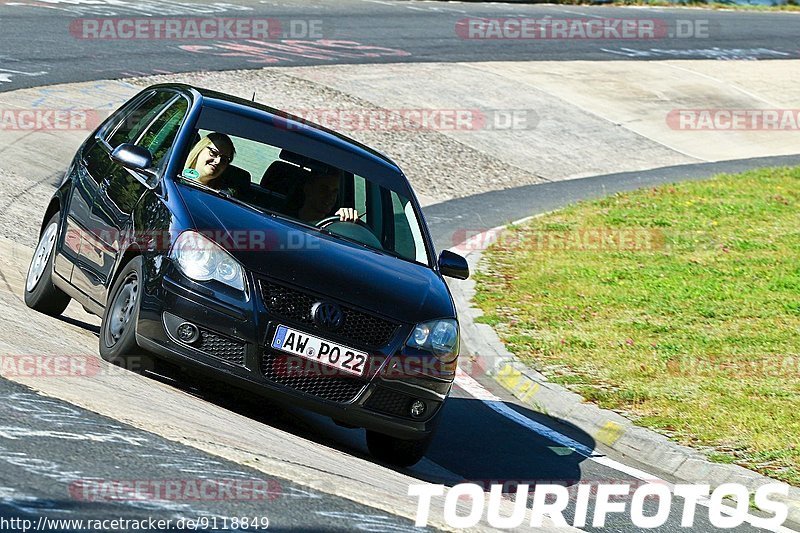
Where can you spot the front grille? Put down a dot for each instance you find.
(316, 380)
(224, 348)
(359, 328)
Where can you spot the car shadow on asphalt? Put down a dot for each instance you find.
(91, 328)
(473, 443)
(479, 444)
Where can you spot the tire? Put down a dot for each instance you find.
(40, 293)
(118, 326)
(398, 452)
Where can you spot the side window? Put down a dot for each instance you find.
(129, 129)
(161, 134)
(407, 236)
(251, 156)
(97, 162)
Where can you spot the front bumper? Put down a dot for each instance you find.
(234, 347)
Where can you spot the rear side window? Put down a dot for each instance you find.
(161, 134)
(131, 128)
(135, 121)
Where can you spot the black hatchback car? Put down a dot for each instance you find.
(264, 251)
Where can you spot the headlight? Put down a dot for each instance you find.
(201, 259)
(437, 336)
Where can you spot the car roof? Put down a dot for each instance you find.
(318, 132)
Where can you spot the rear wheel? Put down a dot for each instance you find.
(400, 452)
(118, 327)
(40, 293)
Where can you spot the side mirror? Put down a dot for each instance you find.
(138, 161)
(132, 157)
(453, 265)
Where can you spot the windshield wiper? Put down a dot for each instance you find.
(384, 251)
(339, 236)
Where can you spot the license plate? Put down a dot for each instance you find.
(319, 350)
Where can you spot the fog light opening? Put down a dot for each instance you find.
(418, 408)
(188, 333)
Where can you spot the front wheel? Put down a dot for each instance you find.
(118, 327)
(399, 452)
(40, 293)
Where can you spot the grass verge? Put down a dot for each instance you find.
(678, 306)
(709, 5)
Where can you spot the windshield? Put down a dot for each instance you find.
(311, 191)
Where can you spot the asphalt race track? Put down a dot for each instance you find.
(43, 43)
(55, 443)
(79, 452)
(498, 208)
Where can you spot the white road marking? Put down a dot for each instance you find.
(728, 54)
(6, 74)
(380, 2)
(583, 14)
(453, 10)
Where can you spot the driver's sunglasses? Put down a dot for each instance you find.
(214, 153)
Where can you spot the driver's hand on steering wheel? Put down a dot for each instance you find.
(347, 214)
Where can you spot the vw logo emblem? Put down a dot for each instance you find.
(327, 315)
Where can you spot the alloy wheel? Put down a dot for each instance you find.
(41, 256)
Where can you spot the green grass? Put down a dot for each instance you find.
(685, 315)
(706, 5)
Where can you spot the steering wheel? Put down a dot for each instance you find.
(356, 230)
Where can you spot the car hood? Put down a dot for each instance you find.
(283, 251)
